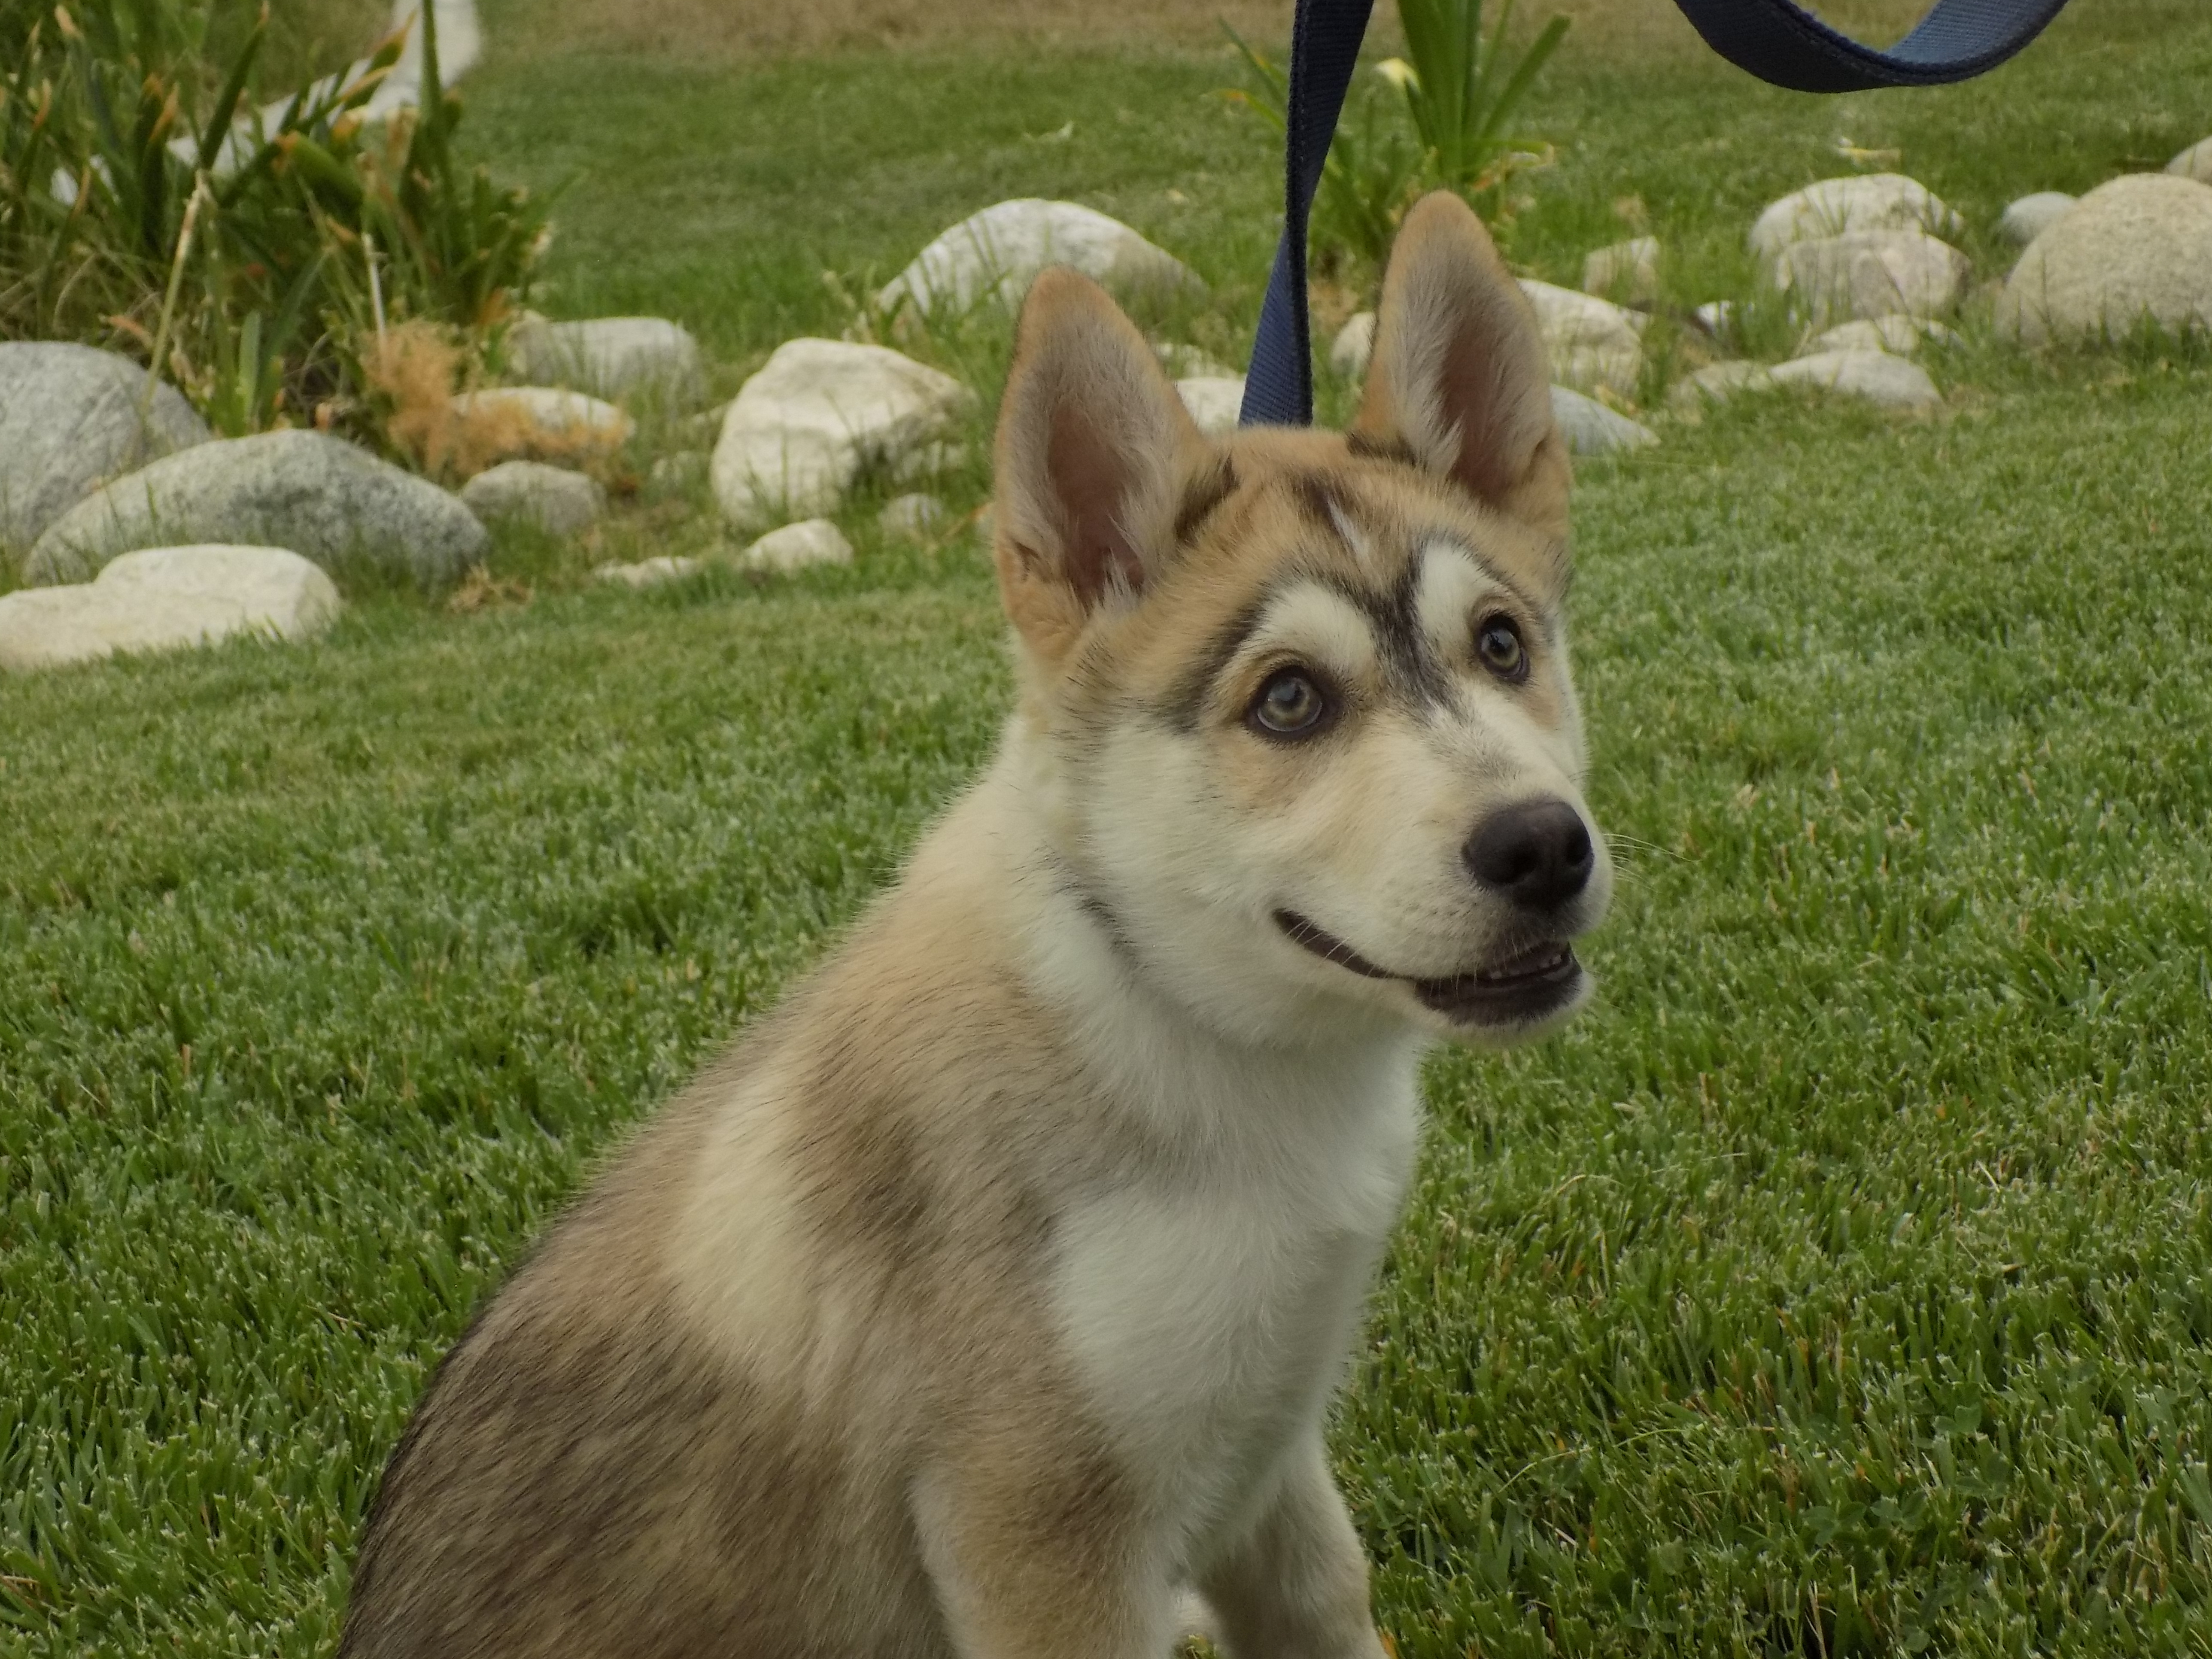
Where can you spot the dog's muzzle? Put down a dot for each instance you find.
(1520, 989)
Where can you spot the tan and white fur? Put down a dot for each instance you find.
(990, 1296)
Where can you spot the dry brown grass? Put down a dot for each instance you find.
(733, 29)
(415, 372)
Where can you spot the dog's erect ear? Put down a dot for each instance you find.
(1092, 445)
(1458, 376)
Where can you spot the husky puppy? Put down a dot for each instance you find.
(989, 1297)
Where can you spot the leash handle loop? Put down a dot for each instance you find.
(1777, 41)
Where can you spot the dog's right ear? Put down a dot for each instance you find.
(1092, 445)
(1459, 382)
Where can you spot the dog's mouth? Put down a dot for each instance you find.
(1513, 990)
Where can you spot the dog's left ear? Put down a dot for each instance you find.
(1093, 445)
(1459, 378)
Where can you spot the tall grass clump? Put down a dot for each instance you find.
(252, 255)
(1438, 119)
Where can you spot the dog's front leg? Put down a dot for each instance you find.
(1040, 1557)
(1295, 1586)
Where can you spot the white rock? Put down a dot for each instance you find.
(554, 498)
(1591, 429)
(1842, 207)
(1593, 344)
(2025, 220)
(1901, 335)
(1715, 315)
(2195, 162)
(2137, 246)
(801, 431)
(611, 356)
(1716, 383)
(160, 598)
(794, 547)
(1874, 273)
(648, 572)
(913, 517)
(1627, 272)
(518, 422)
(1214, 402)
(1354, 343)
(69, 422)
(997, 253)
(1891, 382)
(318, 495)
(1189, 363)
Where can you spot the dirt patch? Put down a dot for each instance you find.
(753, 27)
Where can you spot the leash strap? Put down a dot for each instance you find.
(1777, 41)
(1782, 43)
(1324, 49)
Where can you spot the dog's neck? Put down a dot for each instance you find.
(1137, 1011)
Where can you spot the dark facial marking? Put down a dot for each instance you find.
(1409, 667)
(1214, 485)
(1367, 446)
(1318, 499)
(1186, 699)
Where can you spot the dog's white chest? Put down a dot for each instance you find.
(1210, 1313)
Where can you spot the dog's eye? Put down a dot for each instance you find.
(1290, 705)
(1498, 643)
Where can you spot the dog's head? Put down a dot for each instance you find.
(1298, 703)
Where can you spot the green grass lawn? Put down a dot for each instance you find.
(1841, 1283)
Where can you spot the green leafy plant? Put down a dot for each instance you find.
(1438, 120)
(1373, 167)
(1463, 90)
(247, 254)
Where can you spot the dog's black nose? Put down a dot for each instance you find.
(1537, 854)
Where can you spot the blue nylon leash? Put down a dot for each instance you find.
(1774, 39)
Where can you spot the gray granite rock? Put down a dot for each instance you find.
(553, 498)
(161, 598)
(611, 357)
(2025, 220)
(1847, 206)
(1874, 376)
(69, 422)
(1592, 343)
(1591, 429)
(318, 495)
(1878, 273)
(2137, 247)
